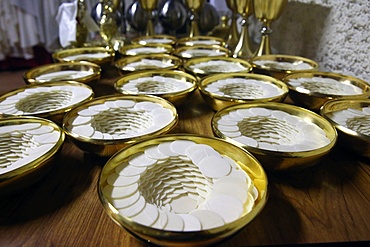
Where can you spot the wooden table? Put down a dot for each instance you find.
(327, 203)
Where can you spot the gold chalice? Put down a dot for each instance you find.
(267, 12)
(108, 25)
(194, 6)
(243, 47)
(232, 39)
(149, 6)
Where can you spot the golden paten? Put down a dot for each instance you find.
(63, 72)
(218, 102)
(106, 120)
(278, 160)
(177, 97)
(313, 98)
(187, 238)
(353, 135)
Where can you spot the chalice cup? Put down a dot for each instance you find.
(194, 6)
(243, 47)
(267, 12)
(233, 37)
(149, 6)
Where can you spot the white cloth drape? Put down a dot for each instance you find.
(27, 23)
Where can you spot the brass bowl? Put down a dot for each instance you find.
(173, 85)
(238, 88)
(46, 100)
(155, 61)
(200, 40)
(203, 66)
(351, 123)
(83, 72)
(187, 52)
(280, 136)
(98, 55)
(312, 90)
(154, 39)
(106, 124)
(134, 50)
(165, 237)
(279, 65)
(27, 150)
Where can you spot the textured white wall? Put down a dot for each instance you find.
(336, 34)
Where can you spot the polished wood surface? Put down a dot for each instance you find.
(326, 203)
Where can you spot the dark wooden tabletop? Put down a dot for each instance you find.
(327, 203)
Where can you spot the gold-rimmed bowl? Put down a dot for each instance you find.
(350, 117)
(46, 100)
(98, 55)
(147, 62)
(222, 90)
(137, 49)
(27, 150)
(280, 136)
(200, 40)
(205, 66)
(155, 39)
(104, 125)
(174, 169)
(281, 65)
(84, 72)
(173, 85)
(187, 52)
(312, 90)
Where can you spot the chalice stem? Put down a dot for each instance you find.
(265, 46)
(233, 37)
(194, 30)
(243, 48)
(149, 27)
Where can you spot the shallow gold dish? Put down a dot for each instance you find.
(83, 72)
(136, 49)
(222, 90)
(98, 55)
(106, 124)
(204, 66)
(154, 39)
(200, 40)
(280, 136)
(147, 62)
(187, 52)
(312, 90)
(280, 65)
(350, 117)
(175, 171)
(46, 100)
(173, 85)
(27, 149)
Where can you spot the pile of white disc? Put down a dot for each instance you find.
(216, 66)
(202, 53)
(180, 186)
(157, 40)
(120, 119)
(156, 85)
(146, 50)
(355, 119)
(43, 99)
(280, 65)
(243, 88)
(63, 75)
(324, 85)
(24, 143)
(148, 64)
(273, 130)
(87, 56)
